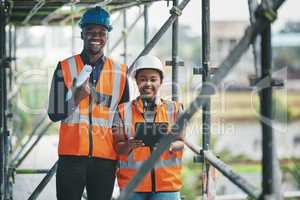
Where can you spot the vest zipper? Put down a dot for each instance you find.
(153, 182)
(90, 128)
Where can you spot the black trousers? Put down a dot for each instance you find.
(74, 173)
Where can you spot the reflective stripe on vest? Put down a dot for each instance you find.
(76, 118)
(171, 109)
(128, 130)
(98, 121)
(128, 119)
(116, 92)
(73, 67)
(159, 164)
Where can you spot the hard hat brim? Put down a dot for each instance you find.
(108, 28)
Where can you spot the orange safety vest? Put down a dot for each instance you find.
(165, 176)
(87, 131)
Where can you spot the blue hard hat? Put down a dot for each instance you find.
(96, 15)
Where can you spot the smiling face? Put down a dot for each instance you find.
(94, 39)
(148, 81)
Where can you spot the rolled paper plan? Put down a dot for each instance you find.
(82, 77)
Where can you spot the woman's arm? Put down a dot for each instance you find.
(123, 145)
(120, 141)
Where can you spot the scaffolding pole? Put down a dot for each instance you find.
(125, 36)
(2, 41)
(15, 50)
(268, 149)
(73, 29)
(4, 133)
(10, 58)
(146, 24)
(206, 107)
(252, 5)
(175, 56)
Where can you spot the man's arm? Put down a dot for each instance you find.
(59, 108)
(125, 97)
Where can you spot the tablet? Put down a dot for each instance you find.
(151, 133)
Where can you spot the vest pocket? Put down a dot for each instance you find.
(141, 153)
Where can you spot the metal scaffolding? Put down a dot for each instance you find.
(4, 131)
(206, 131)
(265, 15)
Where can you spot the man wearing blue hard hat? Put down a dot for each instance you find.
(85, 92)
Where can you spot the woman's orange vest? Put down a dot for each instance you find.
(165, 176)
(87, 131)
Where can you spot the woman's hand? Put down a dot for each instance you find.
(122, 144)
(176, 146)
(134, 143)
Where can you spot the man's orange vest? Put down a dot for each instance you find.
(87, 131)
(167, 170)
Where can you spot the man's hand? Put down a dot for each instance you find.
(81, 92)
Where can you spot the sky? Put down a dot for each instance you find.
(220, 10)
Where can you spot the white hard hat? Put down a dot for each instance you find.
(147, 62)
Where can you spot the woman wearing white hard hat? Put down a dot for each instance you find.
(148, 110)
